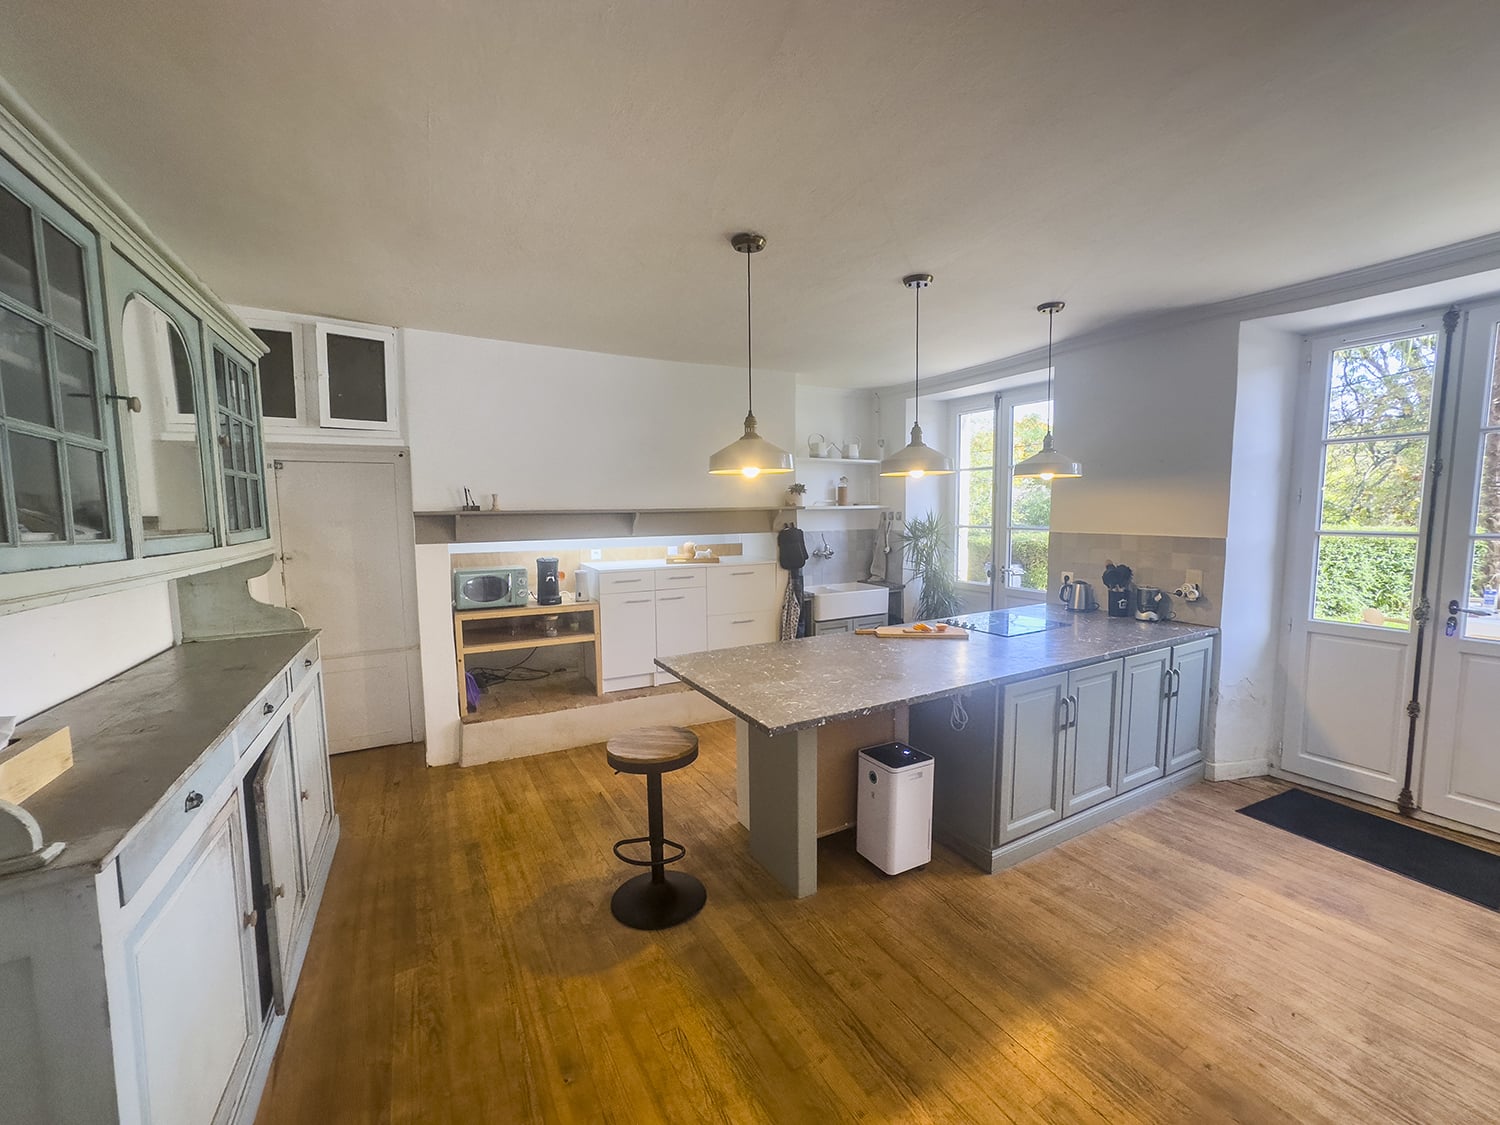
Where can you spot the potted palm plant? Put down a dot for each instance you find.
(929, 555)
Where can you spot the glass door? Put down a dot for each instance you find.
(1461, 762)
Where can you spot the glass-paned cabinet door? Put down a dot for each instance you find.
(241, 453)
(161, 347)
(356, 377)
(60, 498)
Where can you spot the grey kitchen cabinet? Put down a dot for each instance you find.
(1092, 745)
(1143, 720)
(1188, 705)
(965, 780)
(847, 624)
(1032, 749)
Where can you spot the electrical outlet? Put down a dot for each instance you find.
(595, 554)
(1067, 576)
(1195, 577)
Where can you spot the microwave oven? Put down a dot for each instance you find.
(490, 587)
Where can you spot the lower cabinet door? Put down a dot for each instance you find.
(628, 641)
(192, 984)
(275, 790)
(730, 630)
(681, 624)
(1032, 745)
(1189, 706)
(1143, 718)
(1093, 735)
(314, 784)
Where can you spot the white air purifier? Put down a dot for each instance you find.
(893, 827)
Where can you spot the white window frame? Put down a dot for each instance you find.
(984, 404)
(387, 337)
(298, 332)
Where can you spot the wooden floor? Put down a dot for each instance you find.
(1183, 964)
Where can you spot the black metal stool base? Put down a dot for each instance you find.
(645, 905)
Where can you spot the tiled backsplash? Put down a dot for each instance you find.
(1155, 560)
(852, 552)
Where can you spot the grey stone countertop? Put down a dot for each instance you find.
(136, 736)
(794, 685)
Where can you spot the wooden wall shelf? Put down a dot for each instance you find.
(543, 524)
(477, 631)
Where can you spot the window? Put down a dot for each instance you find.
(356, 377)
(1024, 508)
(240, 452)
(1373, 454)
(59, 475)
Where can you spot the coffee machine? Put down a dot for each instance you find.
(548, 586)
(1152, 603)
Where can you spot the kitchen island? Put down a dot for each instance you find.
(1050, 737)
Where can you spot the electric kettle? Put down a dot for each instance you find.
(1078, 596)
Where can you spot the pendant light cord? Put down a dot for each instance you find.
(749, 346)
(1050, 314)
(916, 410)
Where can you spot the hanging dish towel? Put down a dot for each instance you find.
(791, 552)
(791, 607)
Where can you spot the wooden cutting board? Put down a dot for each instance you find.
(952, 633)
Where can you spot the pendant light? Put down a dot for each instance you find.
(918, 459)
(752, 454)
(1049, 464)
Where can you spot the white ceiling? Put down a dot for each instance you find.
(567, 171)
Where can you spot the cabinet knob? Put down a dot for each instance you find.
(280, 891)
(268, 709)
(307, 663)
(193, 800)
(305, 795)
(251, 919)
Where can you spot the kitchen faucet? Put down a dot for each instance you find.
(823, 552)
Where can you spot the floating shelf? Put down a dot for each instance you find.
(544, 524)
(838, 461)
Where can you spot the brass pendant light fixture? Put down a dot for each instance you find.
(752, 454)
(918, 459)
(1048, 464)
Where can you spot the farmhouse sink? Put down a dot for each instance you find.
(847, 599)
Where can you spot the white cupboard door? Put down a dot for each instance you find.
(741, 588)
(1031, 755)
(628, 643)
(314, 784)
(1093, 735)
(681, 625)
(1143, 718)
(192, 980)
(1189, 707)
(275, 791)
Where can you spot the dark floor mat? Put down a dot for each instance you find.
(1445, 865)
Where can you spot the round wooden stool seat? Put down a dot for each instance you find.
(662, 898)
(652, 750)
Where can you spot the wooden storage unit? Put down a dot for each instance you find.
(479, 630)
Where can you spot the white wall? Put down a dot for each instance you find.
(1248, 721)
(557, 428)
(51, 654)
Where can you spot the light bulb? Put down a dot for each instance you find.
(750, 471)
(917, 474)
(1047, 476)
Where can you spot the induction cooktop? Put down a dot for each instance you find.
(1005, 622)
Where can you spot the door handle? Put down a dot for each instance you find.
(268, 709)
(1166, 682)
(280, 890)
(193, 800)
(1176, 682)
(1454, 607)
(1062, 723)
(251, 918)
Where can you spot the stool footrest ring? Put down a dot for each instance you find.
(666, 857)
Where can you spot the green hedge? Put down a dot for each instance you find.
(1356, 573)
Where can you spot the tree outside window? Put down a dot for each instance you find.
(1026, 507)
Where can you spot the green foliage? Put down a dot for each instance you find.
(1355, 573)
(1028, 550)
(928, 550)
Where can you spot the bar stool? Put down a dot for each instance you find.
(661, 898)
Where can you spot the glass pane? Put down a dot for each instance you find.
(1488, 522)
(1382, 388)
(1028, 550)
(1484, 581)
(86, 483)
(255, 518)
(1365, 579)
(976, 497)
(221, 382)
(356, 379)
(67, 299)
(75, 377)
(1374, 485)
(1028, 426)
(23, 376)
(278, 381)
(976, 440)
(17, 251)
(236, 446)
(973, 553)
(1494, 397)
(1030, 503)
(4, 524)
(242, 503)
(182, 370)
(38, 489)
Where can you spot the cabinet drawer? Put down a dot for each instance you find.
(259, 713)
(742, 589)
(138, 859)
(625, 581)
(302, 666)
(730, 630)
(681, 578)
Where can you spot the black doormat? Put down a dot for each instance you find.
(1445, 865)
